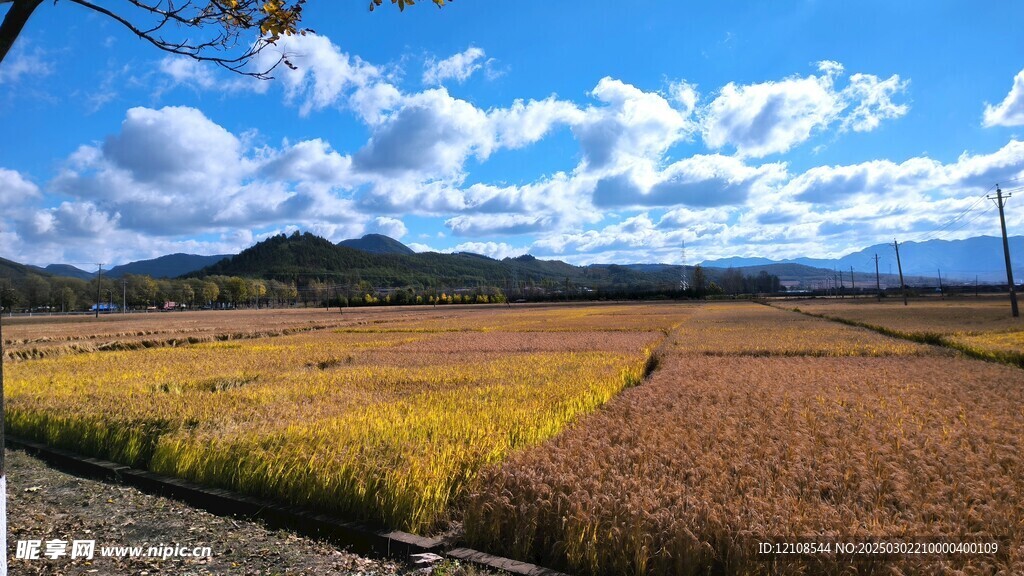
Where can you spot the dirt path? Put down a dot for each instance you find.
(47, 504)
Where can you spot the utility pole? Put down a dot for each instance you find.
(943, 293)
(683, 284)
(3, 473)
(124, 296)
(842, 287)
(903, 286)
(1001, 201)
(99, 281)
(878, 281)
(853, 283)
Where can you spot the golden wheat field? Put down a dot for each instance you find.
(764, 425)
(981, 327)
(535, 429)
(387, 417)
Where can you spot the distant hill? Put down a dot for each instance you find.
(68, 271)
(377, 244)
(300, 257)
(980, 257)
(170, 266)
(384, 262)
(304, 257)
(11, 270)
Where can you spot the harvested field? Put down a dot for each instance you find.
(963, 315)
(981, 327)
(715, 453)
(743, 329)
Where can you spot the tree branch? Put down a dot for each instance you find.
(13, 23)
(194, 51)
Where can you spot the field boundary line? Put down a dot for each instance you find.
(354, 536)
(931, 338)
(73, 348)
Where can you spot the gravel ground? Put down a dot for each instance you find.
(45, 504)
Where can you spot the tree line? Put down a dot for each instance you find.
(38, 293)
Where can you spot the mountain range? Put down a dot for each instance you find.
(170, 266)
(381, 260)
(958, 260)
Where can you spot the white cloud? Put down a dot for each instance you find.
(24, 61)
(173, 174)
(323, 74)
(1009, 112)
(913, 179)
(184, 70)
(685, 95)
(634, 237)
(526, 123)
(173, 171)
(458, 67)
(632, 124)
(430, 136)
(496, 250)
(872, 100)
(701, 180)
(486, 224)
(387, 226)
(310, 163)
(844, 184)
(175, 146)
(773, 117)
(16, 190)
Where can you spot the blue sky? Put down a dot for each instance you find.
(589, 132)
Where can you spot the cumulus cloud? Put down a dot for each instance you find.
(637, 235)
(458, 67)
(387, 226)
(431, 135)
(311, 163)
(323, 75)
(872, 101)
(914, 178)
(685, 95)
(481, 224)
(174, 146)
(170, 175)
(16, 190)
(701, 180)
(525, 123)
(496, 250)
(1009, 112)
(173, 171)
(773, 117)
(631, 124)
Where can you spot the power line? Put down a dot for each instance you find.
(935, 233)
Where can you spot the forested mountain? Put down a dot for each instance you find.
(377, 244)
(11, 270)
(301, 258)
(306, 269)
(170, 266)
(67, 271)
